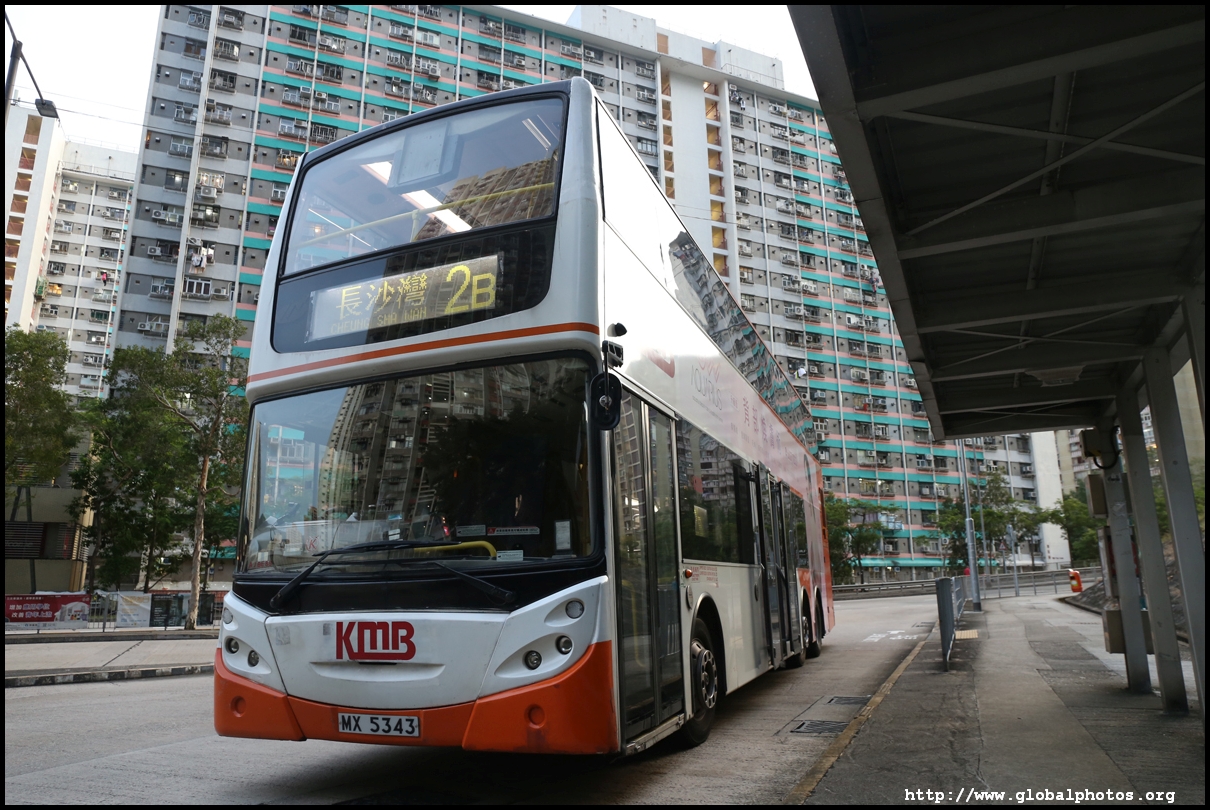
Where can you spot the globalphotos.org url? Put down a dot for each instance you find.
(968, 795)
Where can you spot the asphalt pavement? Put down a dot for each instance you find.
(1032, 703)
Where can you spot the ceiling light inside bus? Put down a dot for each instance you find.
(381, 171)
(422, 199)
(529, 124)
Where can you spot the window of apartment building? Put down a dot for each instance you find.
(195, 48)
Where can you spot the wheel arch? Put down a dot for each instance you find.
(707, 611)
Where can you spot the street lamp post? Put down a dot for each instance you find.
(970, 530)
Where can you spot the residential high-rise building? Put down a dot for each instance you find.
(64, 253)
(239, 93)
(69, 207)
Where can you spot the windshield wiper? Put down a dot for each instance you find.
(293, 585)
(501, 596)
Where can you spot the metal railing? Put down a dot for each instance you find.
(951, 601)
(994, 585)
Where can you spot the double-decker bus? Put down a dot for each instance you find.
(521, 474)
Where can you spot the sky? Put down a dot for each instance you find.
(95, 62)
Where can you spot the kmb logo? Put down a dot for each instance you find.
(375, 641)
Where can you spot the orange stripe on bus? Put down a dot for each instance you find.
(243, 708)
(432, 344)
(571, 713)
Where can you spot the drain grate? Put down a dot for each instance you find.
(849, 700)
(819, 727)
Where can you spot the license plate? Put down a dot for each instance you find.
(380, 724)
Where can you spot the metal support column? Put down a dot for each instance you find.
(1182, 510)
(1138, 675)
(1151, 558)
(971, 556)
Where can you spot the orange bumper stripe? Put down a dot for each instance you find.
(243, 708)
(572, 713)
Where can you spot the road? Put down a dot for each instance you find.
(153, 742)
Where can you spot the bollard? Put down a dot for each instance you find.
(1077, 584)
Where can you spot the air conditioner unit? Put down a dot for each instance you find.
(145, 326)
(230, 19)
(152, 250)
(160, 215)
(221, 295)
(193, 241)
(321, 96)
(208, 192)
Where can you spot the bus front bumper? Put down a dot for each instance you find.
(570, 713)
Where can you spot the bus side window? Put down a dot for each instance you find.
(745, 517)
(796, 526)
(716, 512)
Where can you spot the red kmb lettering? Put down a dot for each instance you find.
(375, 641)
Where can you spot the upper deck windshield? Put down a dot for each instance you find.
(474, 468)
(450, 175)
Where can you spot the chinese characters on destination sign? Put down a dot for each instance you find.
(451, 289)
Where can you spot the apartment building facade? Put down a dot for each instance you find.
(239, 93)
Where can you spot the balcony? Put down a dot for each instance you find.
(156, 329)
(190, 82)
(164, 291)
(219, 115)
(183, 116)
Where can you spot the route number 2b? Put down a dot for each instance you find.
(475, 291)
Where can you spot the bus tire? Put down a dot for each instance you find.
(816, 646)
(704, 686)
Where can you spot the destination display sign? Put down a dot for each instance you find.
(421, 295)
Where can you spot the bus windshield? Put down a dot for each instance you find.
(475, 467)
(450, 175)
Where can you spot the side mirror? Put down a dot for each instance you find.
(605, 401)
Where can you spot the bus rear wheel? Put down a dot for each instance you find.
(816, 646)
(704, 685)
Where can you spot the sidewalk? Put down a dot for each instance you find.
(1033, 703)
(126, 657)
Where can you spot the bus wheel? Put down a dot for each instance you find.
(816, 646)
(704, 686)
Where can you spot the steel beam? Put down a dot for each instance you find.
(1182, 509)
(975, 309)
(1003, 399)
(1037, 134)
(1138, 676)
(1035, 357)
(1151, 558)
(1034, 70)
(1075, 225)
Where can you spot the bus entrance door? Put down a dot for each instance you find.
(649, 614)
(772, 549)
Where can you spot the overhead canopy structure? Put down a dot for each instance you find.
(1032, 181)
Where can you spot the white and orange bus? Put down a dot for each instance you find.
(521, 475)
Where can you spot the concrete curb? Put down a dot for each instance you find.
(119, 635)
(89, 676)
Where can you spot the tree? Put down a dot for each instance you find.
(39, 417)
(851, 537)
(1079, 527)
(134, 481)
(993, 510)
(198, 389)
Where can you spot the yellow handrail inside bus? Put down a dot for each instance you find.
(423, 211)
(469, 544)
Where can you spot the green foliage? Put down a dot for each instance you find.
(196, 394)
(39, 418)
(1078, 526)
(134, 481)
(993, 510)
(851, 537)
